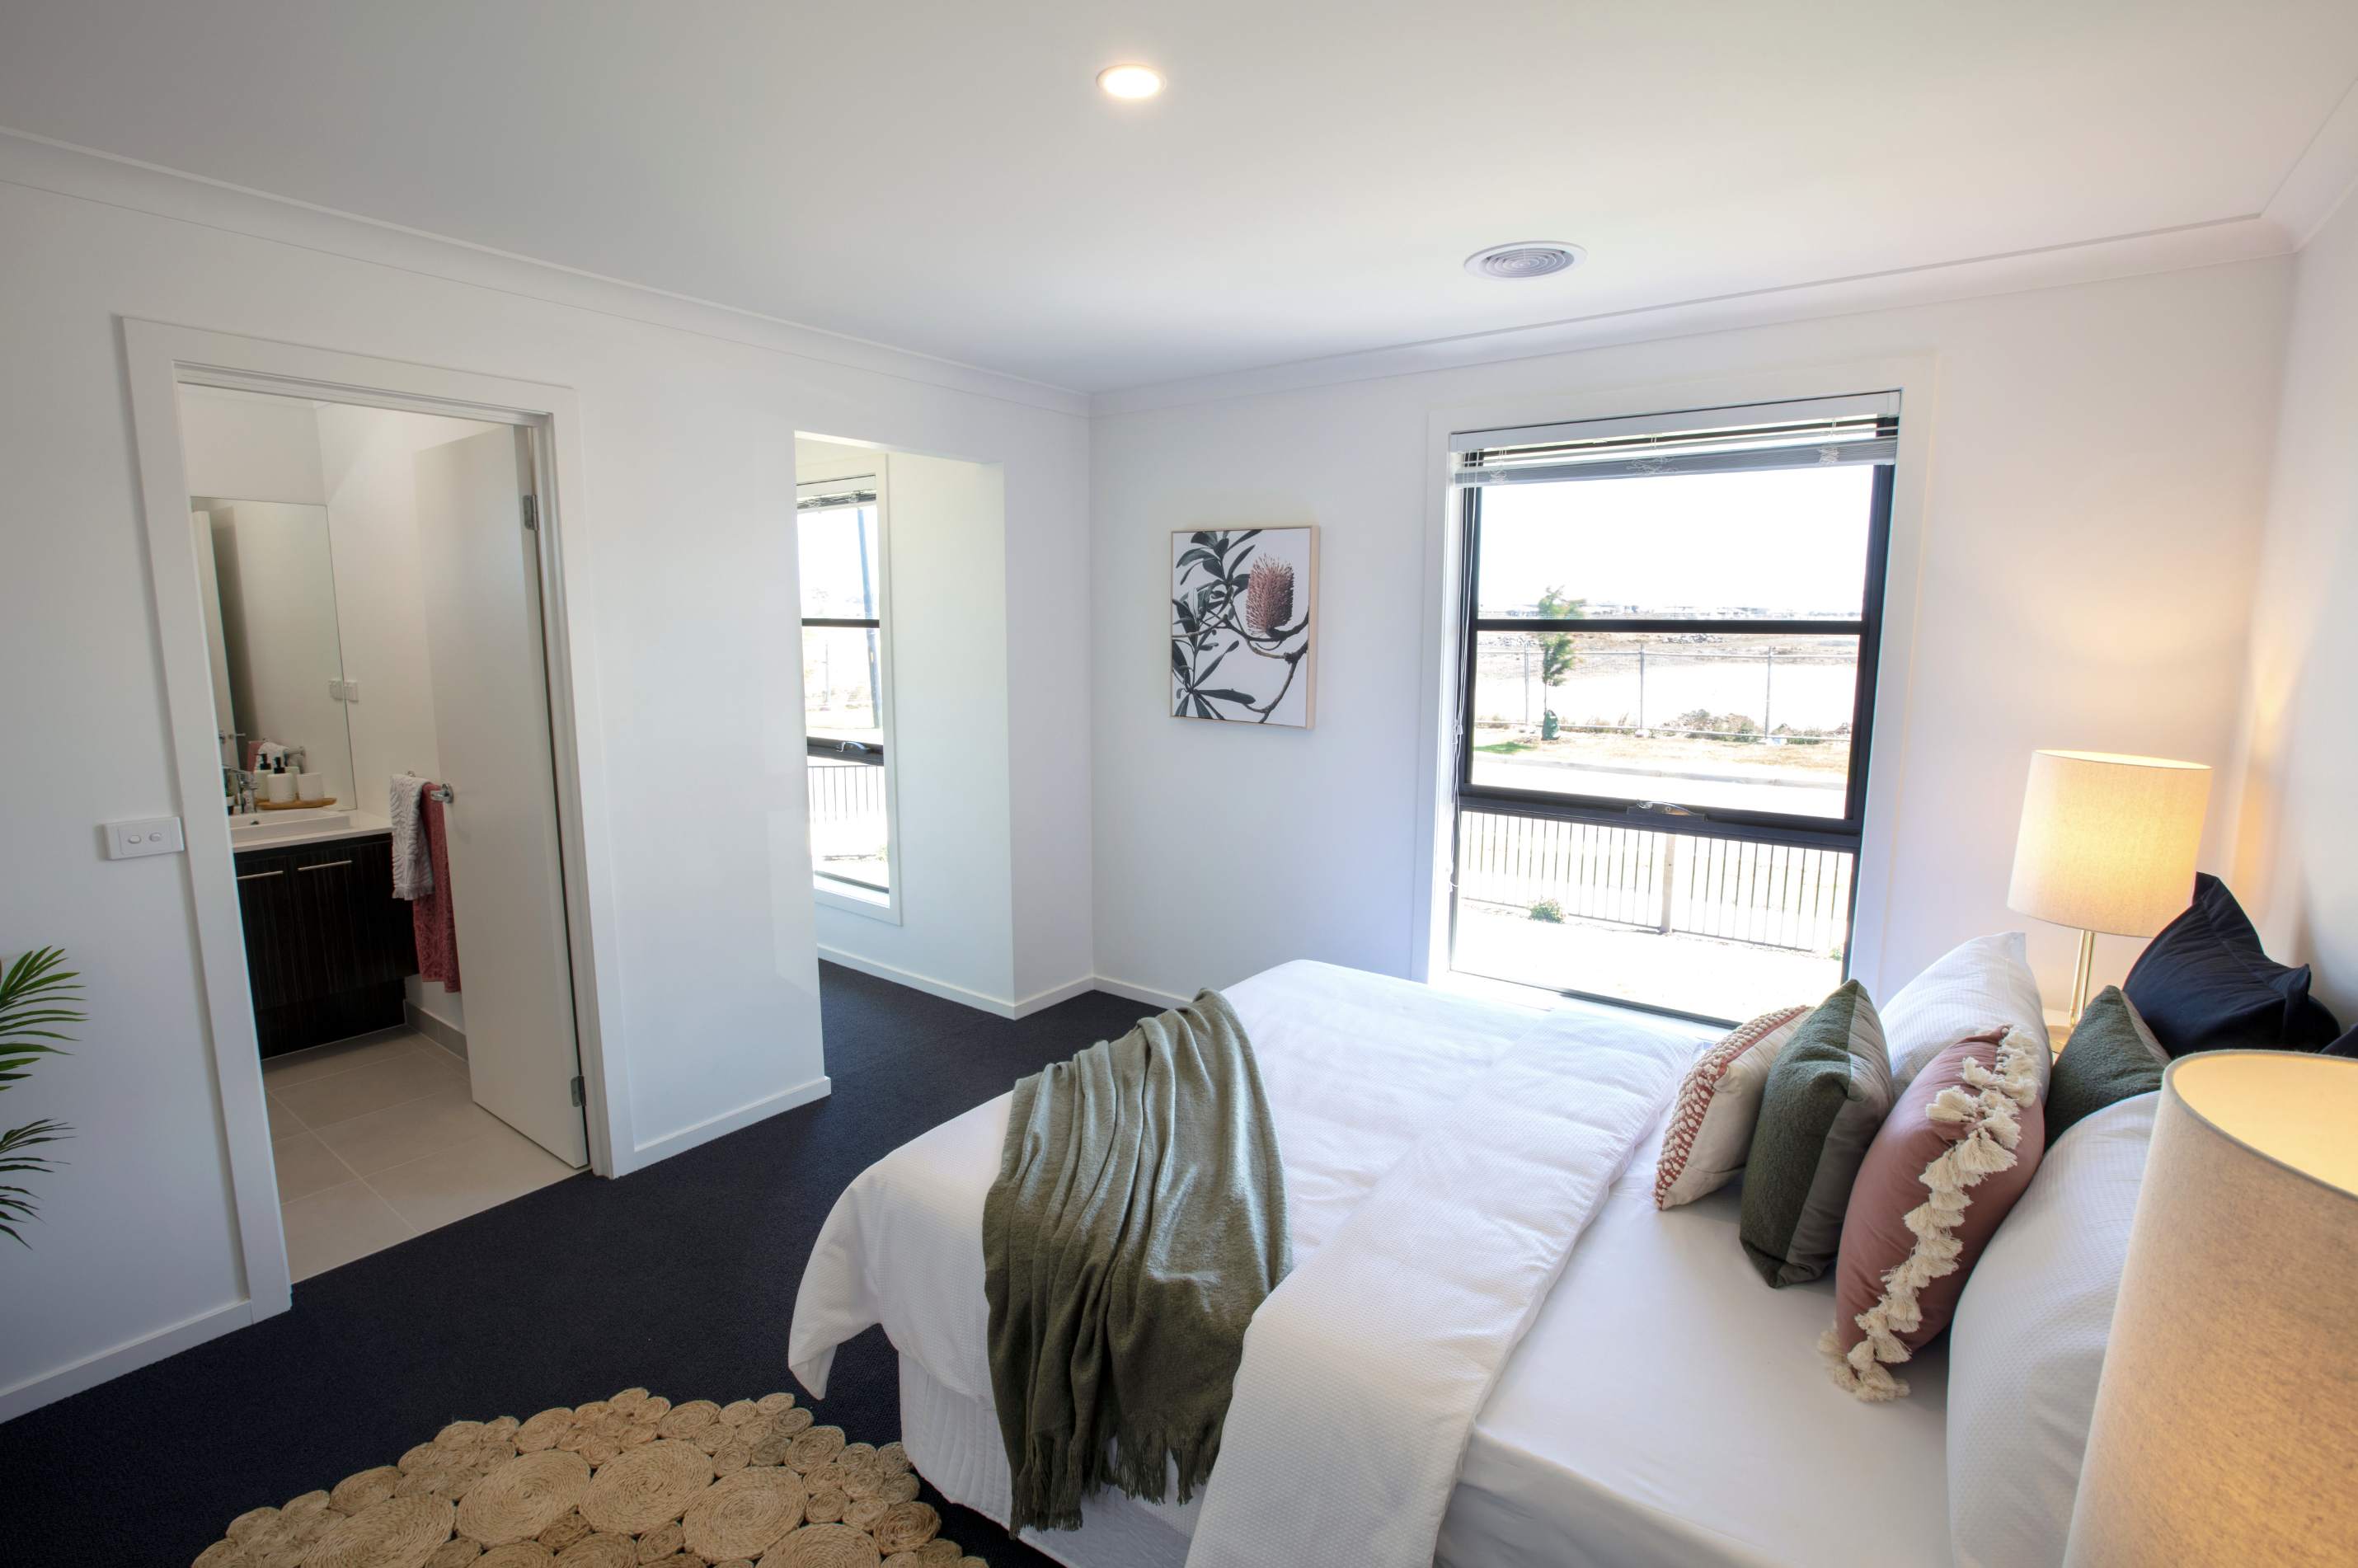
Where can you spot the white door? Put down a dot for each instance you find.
(480, 567)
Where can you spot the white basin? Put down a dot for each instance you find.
(304, 824)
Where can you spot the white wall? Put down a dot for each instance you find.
(2098, 454)
(2297, 853)
(990, 613)
(945, 532)
(688, 416)
(244, 448)
(372, 487)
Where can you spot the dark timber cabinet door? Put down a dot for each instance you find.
(327, 944)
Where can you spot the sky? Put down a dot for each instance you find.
(831, 542)
(1784, 539)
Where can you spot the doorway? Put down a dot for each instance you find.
(378, 598)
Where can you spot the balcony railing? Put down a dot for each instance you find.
(1768, 895)
(848, 824)
(847, 792)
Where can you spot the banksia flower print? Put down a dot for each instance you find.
(1243, 607)
(1268, 597)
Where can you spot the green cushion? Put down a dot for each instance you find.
(1827, 1095)
(2112, 1055)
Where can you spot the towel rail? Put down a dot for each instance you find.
(443, 793)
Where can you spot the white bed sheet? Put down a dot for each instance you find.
(1666, 1408)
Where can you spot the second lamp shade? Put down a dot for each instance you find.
(2108, 842)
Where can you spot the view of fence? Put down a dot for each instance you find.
(848, 821)
(847, 792)
(1770, 895)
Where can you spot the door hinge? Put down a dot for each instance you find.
(532, 511)
(576, 1091)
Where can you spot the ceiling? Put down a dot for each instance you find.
(944, 177)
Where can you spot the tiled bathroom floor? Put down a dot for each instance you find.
(378, 1139)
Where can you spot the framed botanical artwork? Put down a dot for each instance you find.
(1244, 611)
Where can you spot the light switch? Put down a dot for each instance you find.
(335, 691)
(351, 691)
(150, 835)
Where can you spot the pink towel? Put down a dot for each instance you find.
(433, 919)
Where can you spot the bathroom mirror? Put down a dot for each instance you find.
(270, 621)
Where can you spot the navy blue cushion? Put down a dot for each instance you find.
(2204, 984)
(2345, 1046)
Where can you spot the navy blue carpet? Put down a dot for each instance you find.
(680, 1279)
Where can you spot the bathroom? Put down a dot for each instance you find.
(372, 583)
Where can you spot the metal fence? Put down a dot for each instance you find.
(1771, 896)
(846, 791)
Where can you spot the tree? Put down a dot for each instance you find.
(1557, 653)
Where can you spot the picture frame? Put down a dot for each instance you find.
(1244, 625)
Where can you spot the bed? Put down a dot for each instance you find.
(1662, 1406)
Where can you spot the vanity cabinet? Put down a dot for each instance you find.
(327, 944)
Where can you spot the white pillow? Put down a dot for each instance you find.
(2028, 1343)
(1979, 985)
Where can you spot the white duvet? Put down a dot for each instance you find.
(1437, 1177)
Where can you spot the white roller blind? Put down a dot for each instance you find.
(1862, 429)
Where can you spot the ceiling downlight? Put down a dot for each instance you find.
(1131, 81)
(1525, 258)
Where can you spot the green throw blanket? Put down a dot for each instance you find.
(1138, 1221)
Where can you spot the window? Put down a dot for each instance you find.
(844, 687)
(1668, 688)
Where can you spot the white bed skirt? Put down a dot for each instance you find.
(954, 1442)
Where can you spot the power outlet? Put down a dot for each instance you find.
(150, 835)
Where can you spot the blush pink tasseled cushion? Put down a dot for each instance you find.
(1952, 1158)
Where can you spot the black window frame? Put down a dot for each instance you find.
(1845, 834)
(1768, 827)
(870, 753)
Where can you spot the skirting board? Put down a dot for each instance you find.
(948, 993)
(1136, 993)
(109, 1365)
(447, 1036)
(720, 1126)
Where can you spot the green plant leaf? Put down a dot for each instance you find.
(35, 1000)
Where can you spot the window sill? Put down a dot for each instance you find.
(830, 894)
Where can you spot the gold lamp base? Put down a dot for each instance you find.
(2080, 980)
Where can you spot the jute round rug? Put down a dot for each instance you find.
(621, 1483)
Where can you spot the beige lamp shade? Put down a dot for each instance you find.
(2107, 842)
(2226, 1429)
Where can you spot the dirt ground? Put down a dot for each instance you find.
(1607, 749)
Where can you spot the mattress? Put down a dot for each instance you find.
(1666, 1407)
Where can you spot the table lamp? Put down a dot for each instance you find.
(2225, 1429)
(2107, 844)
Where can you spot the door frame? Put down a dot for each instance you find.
(159, 359)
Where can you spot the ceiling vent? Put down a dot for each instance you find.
(1524, 258)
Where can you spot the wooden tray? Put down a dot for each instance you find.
(293, 805)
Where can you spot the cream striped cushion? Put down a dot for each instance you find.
(1710, 1130)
